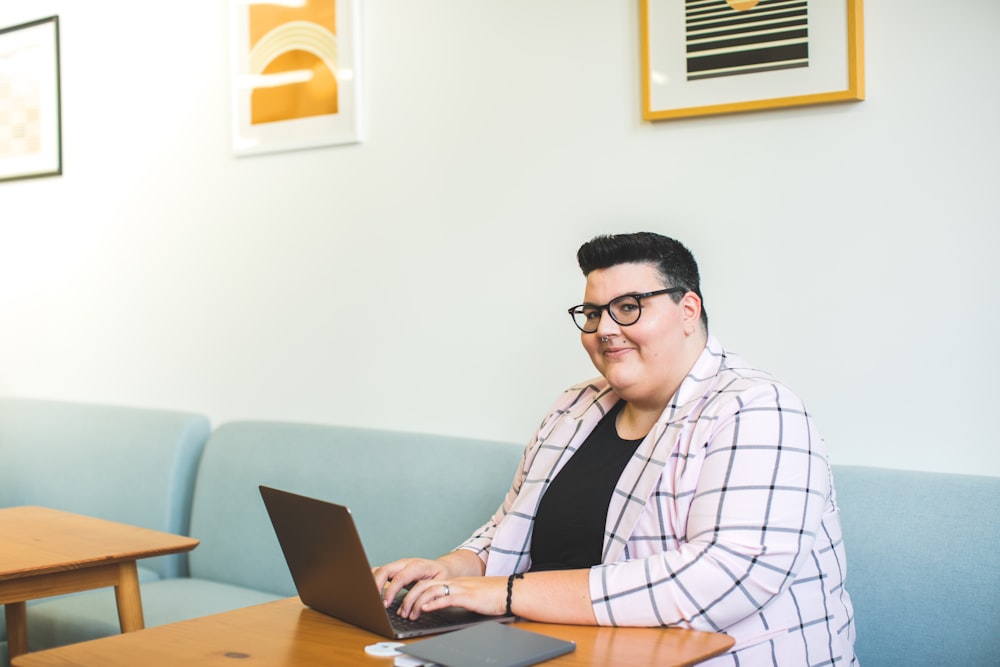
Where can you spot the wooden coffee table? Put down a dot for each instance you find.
(284, 633)
(45, 552)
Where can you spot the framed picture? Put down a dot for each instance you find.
(296, 74)
(30, 115)
(702, 57)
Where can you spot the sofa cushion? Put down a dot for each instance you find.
(923, 565)
(411, 494)
(91, 615)
(125, 464)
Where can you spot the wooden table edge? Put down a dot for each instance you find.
(120, 570)
(288, 614)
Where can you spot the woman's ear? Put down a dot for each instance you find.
(691, 307)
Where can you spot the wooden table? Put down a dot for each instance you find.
(287, 634)
(46, 552)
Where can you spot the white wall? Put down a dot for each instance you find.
(419, 280)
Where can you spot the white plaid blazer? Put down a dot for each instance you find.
(725, 519)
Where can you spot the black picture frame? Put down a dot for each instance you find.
(30, 100)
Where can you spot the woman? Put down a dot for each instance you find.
(681, 488)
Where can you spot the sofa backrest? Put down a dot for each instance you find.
(410, 494)
(125, 464)
(923, 565)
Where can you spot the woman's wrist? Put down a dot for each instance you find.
(510, 591)
(462, 563)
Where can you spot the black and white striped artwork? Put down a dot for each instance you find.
(733, 37)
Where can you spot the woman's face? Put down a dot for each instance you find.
(644, 362)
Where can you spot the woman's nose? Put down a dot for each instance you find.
(607, 326)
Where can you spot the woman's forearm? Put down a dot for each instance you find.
(554, 597)
(463, 563)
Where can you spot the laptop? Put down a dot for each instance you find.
(331, 571)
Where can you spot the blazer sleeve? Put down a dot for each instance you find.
(481, 540)
(516, 507)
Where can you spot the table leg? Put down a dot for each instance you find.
(128, 598)
(17, 628)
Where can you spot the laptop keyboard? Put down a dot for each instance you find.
(427, 619)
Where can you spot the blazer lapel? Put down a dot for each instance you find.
(644, 473)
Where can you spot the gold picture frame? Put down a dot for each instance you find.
(707, 57)
(296, 80)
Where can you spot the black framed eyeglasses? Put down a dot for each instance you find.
(624, 309)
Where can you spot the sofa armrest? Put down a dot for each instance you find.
(923, 565)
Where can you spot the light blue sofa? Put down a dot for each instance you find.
(410, 494)
(923, 565)
(120, 463)
(923, 549)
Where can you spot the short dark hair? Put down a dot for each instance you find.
(674, 262)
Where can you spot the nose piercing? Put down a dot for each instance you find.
(605, 339)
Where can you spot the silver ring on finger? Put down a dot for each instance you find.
(447, 591)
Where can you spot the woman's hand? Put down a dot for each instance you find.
(456, 580)
(393, 577)
(485, 595)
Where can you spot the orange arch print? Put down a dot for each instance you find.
(293, 52)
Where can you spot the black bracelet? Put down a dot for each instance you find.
(510, 589)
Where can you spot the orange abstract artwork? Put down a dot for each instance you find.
(293, 52)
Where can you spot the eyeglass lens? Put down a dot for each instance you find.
(625, 310)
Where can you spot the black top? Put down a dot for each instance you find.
(569, 524)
